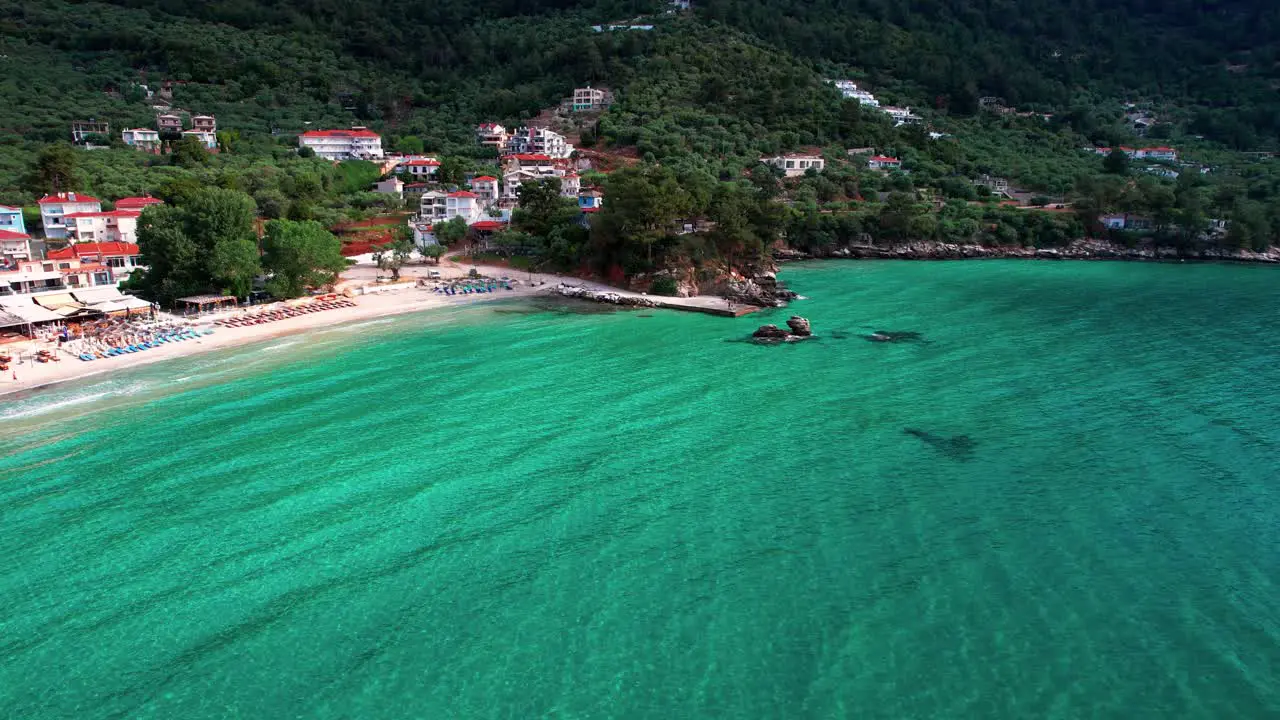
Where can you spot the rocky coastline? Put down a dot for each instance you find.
(1078, 250)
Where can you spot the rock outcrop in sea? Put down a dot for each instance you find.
(603, 296)
(797, 329)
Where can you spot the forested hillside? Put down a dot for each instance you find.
(700, 98)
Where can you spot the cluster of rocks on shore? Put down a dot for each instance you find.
(797, 329)
(602, 296)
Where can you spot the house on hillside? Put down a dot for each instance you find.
(82, 130)
(491, 135)
(588, 98)
(53, 208)
(207, 139)
(414, 191)
(882, 162)
(1167, 154)
(14, 247)
(143, 139)
(138, 203)
(419, 168)
(11, 220)
(850, 89)
(570, 183)
(464, 204)
(204, 123)
(434, 206)
(794, 165)
(538, 141)
(169, 123)
(997, 185)
(34, 277)
(1126, 221)
(358, 143)
(111, 226)
(390, 186)
(486, 187)
(590, 200)
(901, 116)
(118, 259)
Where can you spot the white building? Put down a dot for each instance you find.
(14, 246)
(881, 162)
(419, 168)
(119, 226)
(358, 143)
(390, 186)
(208, 139)
(433, 207)
(570, 184)
(901, 116)
(204, 123)
(539, 141)
(464, 204)
(492, 135)
(142, 139)
(796, 165)
(850, 89)
(487, 188)
(54, 207)
(589, 98)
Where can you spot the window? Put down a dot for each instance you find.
(73, 280)
(115, 262)
(64, 266)
(48, 267)
(101, 279)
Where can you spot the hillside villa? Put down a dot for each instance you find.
(795, 165)
(418, 167)
(53, 208)
(492, 135)
(538, 141)
(882, 162)
(358, 143)
(143, 139)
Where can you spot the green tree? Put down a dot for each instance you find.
(300, 256)
(642, 205)
(306, 152)
(189, 152)
(434, 251)
(392, 256)
(451, 232)
(411, 144)
(206, 244)
(1116, 163)
(55, 170)
(452, 170)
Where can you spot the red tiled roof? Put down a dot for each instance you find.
(415, 185)
(488, 225)
(485, 178)
(11, 235)
(65, 198)
(590, 209)
(137, 203)
(105, 213)
(1160, 149)
(91, 267)
(462, 194)
(341, 133)
(883, 159)
(530, 157)
(10, 209)
(71, 252)
(423, 162)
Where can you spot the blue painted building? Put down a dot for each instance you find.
(11, 219)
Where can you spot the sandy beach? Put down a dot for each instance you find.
(30, 375)
(361, 280)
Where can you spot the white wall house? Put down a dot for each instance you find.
(464, 204)
(358, 143)
(113, 226)
(53, 208)
(850, 89)
(881, 162)
(539, 141)
(901, 116)
(486, 187)
(570, 184)
(419, 168)
(208, 139)
(142, 139)
(433, 206)
(492, 135)
(796, 165)
(14, 246)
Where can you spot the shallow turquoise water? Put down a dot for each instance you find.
(511, 512)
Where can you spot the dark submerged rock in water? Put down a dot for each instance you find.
(893, 336)
(799, 326)
(956, 447)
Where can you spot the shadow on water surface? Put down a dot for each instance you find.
(956, 447)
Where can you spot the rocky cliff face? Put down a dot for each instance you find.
(750, 285)
(1078, 250)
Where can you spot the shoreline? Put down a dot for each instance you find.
(1078, 250)
(33, 378)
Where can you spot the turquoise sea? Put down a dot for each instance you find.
(526, 511)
